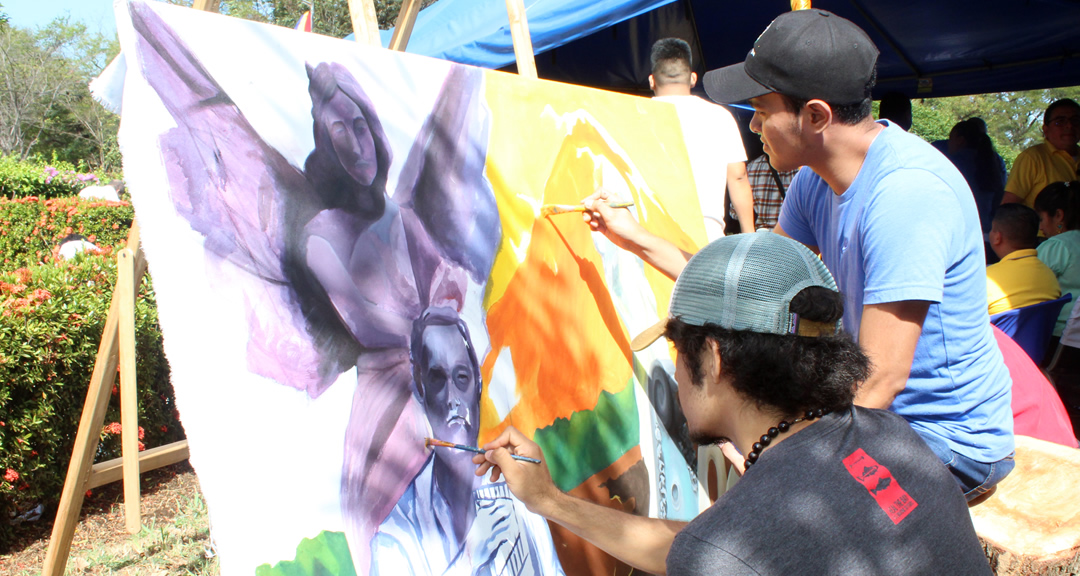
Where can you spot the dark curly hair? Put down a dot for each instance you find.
(786, 373)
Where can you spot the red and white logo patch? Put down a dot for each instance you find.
(881, 485)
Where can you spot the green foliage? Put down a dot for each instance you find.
(46, 108)
(930, 124)
(51, 320)
(325, 555)
(27, 178)
(31, 229)
(329, 17)
(1013, 119)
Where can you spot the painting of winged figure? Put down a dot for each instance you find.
(392, 281)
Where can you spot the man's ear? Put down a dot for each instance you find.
(712, 363)
(693, 79)
(994, 237)
(817, 115)
(652, 82)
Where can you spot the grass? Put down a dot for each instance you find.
(174, 540)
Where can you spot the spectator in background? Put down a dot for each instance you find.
(769, 187)
(972, 151)
(110, 191)
(711, 136)
(1020, 278)
(896, 108)
(1055, 160)
(1038, 411)
(1058, 206)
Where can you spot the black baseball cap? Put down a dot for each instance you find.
(804, 54)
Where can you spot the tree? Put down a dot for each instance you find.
(328, 17)
(1013, 119)
(85, 128)
(35, 80)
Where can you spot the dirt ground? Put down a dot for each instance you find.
(175, 538)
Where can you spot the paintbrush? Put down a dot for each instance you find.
(551, 209)
(430, 442)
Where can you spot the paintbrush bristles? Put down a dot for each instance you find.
(429, 442)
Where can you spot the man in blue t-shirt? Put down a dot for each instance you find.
(896, 225)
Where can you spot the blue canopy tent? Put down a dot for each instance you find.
(929, 48)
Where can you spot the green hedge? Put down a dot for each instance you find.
(31, 229)
(25, 178)
(52, 313)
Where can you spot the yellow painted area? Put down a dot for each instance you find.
(546, 299)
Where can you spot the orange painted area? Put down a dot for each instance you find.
(547, 306)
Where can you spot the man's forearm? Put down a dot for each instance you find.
(880, 389)
(1010, 198)
(662, 255)
(889, 334)
(639, 541)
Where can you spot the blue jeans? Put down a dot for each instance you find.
(974, 478)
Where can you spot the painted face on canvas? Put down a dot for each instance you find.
(779, 129)
(451, 390)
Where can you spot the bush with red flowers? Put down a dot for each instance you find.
(52, 313)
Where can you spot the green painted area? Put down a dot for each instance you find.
(325, 555)
(591, 440)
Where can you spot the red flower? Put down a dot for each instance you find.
(11, 475)
(113, 428)
(23, 275)
(142, 447)
(40, 295)
(142, 435)
(89, 493)
(164, 428)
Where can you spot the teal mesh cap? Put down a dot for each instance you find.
(746, 282)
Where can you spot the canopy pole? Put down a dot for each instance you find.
(519, 31)
(800, 5)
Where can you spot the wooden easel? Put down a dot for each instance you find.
(117, 347)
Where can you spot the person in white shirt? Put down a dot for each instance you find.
(717, 156)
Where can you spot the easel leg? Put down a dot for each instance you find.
(129, 408)
(403, 28)
(519, 31)
(90, 424)
(364, 21)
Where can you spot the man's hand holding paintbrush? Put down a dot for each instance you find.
(639, 541)
(620, 226)
(530, 483)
